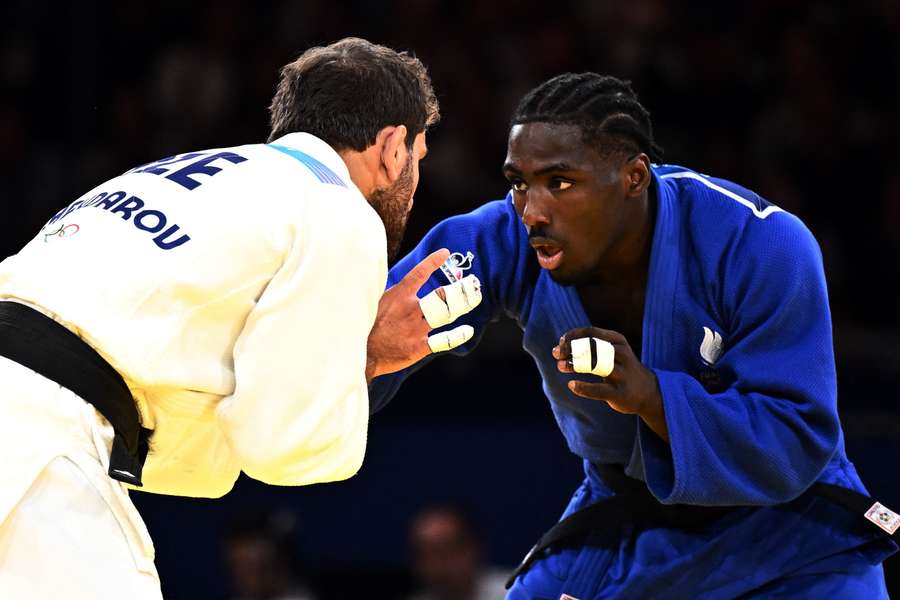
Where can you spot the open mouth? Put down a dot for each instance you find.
(549, 254)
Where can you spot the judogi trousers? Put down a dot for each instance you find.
(66, 529)
(671, 565)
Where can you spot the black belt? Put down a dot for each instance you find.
(36, 341)
(634, 504)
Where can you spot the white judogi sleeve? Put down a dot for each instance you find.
(299, 412)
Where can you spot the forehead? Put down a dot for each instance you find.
(536, 145)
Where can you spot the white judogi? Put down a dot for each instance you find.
(234, 291)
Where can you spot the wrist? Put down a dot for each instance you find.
(653, 413)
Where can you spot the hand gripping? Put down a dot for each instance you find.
(592, 355)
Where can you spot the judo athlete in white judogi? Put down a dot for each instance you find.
(226, 295)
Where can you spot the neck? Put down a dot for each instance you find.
(359, 165)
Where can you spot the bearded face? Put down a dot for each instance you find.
(393, 204)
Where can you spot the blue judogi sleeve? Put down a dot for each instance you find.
(494, 234)
(769, 435)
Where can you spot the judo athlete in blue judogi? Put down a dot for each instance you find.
(720, 413)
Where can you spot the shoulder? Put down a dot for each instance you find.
(342, 215)
(487, 215)
(494, 223)
(313, 199)
(337, 231)
(714, 192)
(492, 230)
(490, 240)
(720, 213)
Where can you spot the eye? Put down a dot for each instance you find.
(560, 184)
(518, 185)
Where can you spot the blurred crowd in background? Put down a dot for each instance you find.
(795, 100)
(446, 554)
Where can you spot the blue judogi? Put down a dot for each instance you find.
(737, 329)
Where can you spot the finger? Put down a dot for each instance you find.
(448, 340)
(458, 299)
(463, 295)
(608, 335)
(592, 355)
(564, 366)
(593, 390)
(578, 332)
(422, 271)
(561, 350)
(613, 337)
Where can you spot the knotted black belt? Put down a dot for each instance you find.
(36, 341)
(634, 504)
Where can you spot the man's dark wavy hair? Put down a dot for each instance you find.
(346, 92)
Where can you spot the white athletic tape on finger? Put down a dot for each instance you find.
(448, 340)
(581, 356)
(434, 309)
(461, 297)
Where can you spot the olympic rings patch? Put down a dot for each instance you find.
(63, 231)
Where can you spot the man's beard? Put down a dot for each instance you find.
(393, 204)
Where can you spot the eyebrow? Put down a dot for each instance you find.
(560, 166)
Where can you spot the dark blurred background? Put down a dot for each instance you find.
(795, 100)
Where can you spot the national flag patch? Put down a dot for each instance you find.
(884, 517)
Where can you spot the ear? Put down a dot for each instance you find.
(636, 175)
(392, 142)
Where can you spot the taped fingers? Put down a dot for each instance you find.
(459, 298)
(463, 296)
(434, 309)
(448, 340)
(592, 355)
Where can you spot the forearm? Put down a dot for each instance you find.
(734, 447)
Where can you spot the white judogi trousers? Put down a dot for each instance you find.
(66, 529)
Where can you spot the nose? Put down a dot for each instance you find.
(534, 209)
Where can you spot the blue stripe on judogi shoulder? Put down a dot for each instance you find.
(322, 173)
